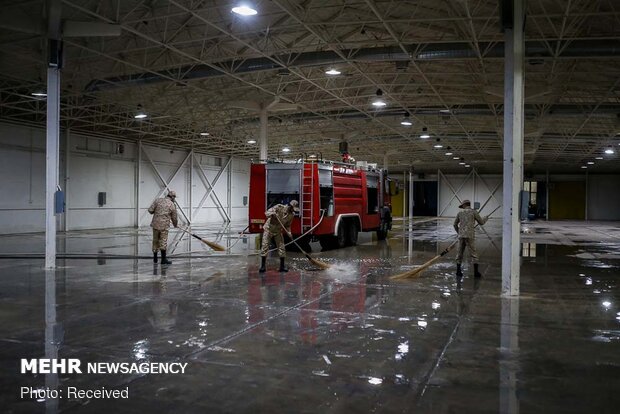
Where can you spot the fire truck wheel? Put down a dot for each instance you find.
(352, 234)
(341, 238)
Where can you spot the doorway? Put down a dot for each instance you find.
(425, 198)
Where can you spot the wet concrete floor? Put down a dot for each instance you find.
(345, 340)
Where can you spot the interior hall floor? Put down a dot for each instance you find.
(344, 340)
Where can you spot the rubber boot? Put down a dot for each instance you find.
(163, 258)
(283, 268)
(154, 257)
(477, 274)
(263, 260)
(459, 272)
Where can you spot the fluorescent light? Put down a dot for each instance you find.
(467, 165)
(456, 158)
(39, 94)
(438, 146)
(286, 149)
(244, 10)
(379, 103)
(204, 134)
(140, 115)
(461, 163)
(251, 141)
(609, 150)
(449, 153)
(444, 111)
(584, 167)
(406, 122)
(599, 158)
(590, 162)
(332, 72)
(425, 136)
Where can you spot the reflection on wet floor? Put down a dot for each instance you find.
(348, 339)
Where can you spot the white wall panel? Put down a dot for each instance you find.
(96, 165)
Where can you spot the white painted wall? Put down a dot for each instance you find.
(95, 165)
(485, 189)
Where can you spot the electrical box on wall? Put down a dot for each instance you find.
(101, 199)
(59, 202)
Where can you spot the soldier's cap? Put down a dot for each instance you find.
(465, 203)
(172, 194)
(295, 205)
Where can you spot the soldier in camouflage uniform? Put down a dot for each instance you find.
(464, 226)
(163, 211)
(279, 217)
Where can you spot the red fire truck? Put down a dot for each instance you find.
(336, 200)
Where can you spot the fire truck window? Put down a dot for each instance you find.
(327, 200)
(373, 200)
(283, 181)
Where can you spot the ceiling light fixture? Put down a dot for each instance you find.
(590, 162)
(406, 120)
(609, 150)
(584, 167)
(467, 165)
(449, 153)
(286, 149)
(332, 72)
(244, 10)
(204, 134)
(456, 158)
(140, 114)
(599, 158)
(438, 144)
(378, 102)
(251, 141)
(462, 163)
(39, 94)
(424, 134)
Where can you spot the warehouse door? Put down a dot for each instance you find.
(567, 200)
(425, 198)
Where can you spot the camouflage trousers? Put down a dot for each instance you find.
(471, 245)
(160, 240)
(277, 238)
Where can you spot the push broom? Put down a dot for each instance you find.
(317, 263)
(415, 272)
(214, 246)
(211, 244)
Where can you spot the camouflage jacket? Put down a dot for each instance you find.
(163, 211)
(465, 221)
(281, 211)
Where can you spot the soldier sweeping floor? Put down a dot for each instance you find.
(164, 212)
(279, 217)
(464, 224)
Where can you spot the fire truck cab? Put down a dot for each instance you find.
(336, 201)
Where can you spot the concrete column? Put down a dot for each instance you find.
(404, 196)
(410, 196)
(262, 138)
(229, 188)
(191, 184)
(138, 179)
(67, 177)
(547, 197)
(513, 150)
(51, 163)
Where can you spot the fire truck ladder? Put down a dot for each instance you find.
(307, 198)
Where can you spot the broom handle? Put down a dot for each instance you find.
(298, 246)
